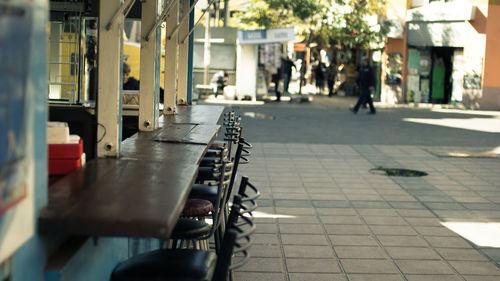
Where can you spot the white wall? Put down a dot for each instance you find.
(246, 70)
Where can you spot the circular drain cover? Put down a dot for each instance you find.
(397, 172)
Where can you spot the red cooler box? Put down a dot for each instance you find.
(65, 157)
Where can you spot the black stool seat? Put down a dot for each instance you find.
(175, 264)
(209, 161)
(204, 191)
(205, 174)
(190, 229)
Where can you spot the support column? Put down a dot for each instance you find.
(184, 55)
(171, 51)
(490, 98)
(149, 91)
(110, 80)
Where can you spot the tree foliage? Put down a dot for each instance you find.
(351, 23)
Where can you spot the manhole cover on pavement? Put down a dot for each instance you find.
(394, 172)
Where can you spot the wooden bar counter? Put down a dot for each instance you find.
(140, 194)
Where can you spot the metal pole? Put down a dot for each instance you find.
(206, 49)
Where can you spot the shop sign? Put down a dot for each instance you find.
(265, 36)
(442, 11)
(437, 34)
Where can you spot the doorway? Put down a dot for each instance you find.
(442, 68)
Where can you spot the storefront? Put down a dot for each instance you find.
(439, 54)
(258, 55)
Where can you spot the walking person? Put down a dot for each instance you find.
(286, 67)
(319, 76)
(331, 77)
(366, 83)
(275, 78)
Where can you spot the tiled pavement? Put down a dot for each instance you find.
(324, 216)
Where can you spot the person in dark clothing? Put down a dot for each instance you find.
(331, 76)
(286, 67)
(319, 76)
(129, 82)
(366, 83)
(275, 78)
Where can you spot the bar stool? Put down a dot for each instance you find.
(194, 230)
(194, 265)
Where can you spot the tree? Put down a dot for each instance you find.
(352, 23)
(343, 23)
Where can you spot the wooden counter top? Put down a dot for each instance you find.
(199, 114)
(112, 197)
(140, 194)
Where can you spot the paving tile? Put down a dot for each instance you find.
(476, 268)
(434, 198)
(312, 265)
(353, 240)
(314, 276)
(265, 251)
(264, 202)
(481, 278)
(473, 199)
(292, 203)
(261, 276)
(454, 254)
(444, 206)
(296, 251)
(400, 240)
(378, 212)
(294, 211)
(256, 264)
(371, 204)
(336, 212)
(392, 230)
(341, 220)
(424, 267)
(347, 229)
(493, 253)
(412, 253)
(435, 231)
(400, 198)
(266, 228)
(481, 206)
(454, 215)
(375, 220)
(301, 228)
(424, 221)
(304, 239)
(331, 204)
(406, 205)
(368, 266)
(333, 197)
(447, 242)
(430, 277)
(364, 197)
(289, 196)
(357, 252)
(264, 238)
(375, 277)
(299, 219)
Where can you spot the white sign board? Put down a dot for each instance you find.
(264, 36)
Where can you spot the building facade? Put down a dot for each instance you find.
(442, 52)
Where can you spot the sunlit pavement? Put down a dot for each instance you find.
(324, 216)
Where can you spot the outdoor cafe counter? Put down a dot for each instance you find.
(140, 194)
